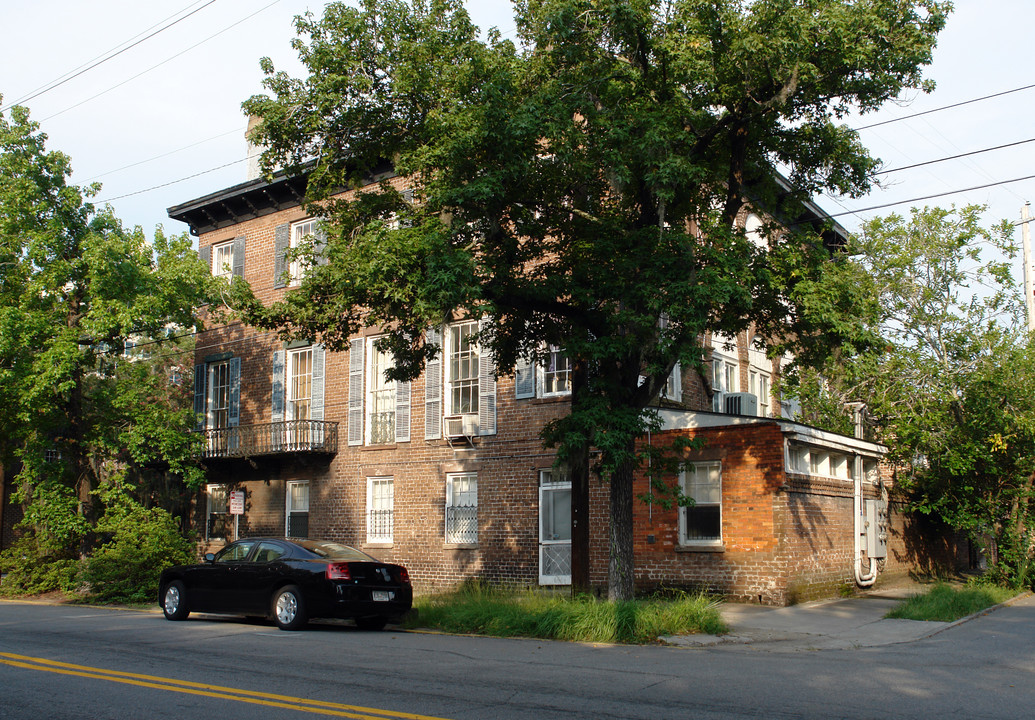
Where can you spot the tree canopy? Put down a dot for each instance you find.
(951, 389)
(76, 290)
(584, 187)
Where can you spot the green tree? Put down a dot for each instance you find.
(579, 188)
(75, 286)
(952, 388)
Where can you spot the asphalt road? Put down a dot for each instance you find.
(80, 662)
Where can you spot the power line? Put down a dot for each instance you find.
(172, 182)
(930, 197)
(944, 107)
(165, 154)
(955, 157)
(163, 62)
(103, 58)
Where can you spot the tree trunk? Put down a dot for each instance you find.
(620, 580)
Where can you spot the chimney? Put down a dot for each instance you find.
(254, 151)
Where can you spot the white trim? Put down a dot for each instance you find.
(385, 496)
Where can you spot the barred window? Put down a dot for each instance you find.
(462, 508)
(380, 509)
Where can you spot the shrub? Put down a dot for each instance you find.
(30, 567)
(143, 543)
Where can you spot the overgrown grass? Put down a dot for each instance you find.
(480, 609)
(945, 603)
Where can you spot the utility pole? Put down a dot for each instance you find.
(1029, 281)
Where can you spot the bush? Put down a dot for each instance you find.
(32, 568)
(143, 543)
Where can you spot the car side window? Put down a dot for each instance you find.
(234, 553)
(268, 552)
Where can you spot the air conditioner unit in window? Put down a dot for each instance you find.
(460, 426)
(741, 404)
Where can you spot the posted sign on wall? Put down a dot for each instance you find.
(237, 502)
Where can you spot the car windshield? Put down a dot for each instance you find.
(334, 551)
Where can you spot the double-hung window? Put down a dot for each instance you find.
(462, 508)
(223, 260)
(725, 379)
(463, 369)
(300, 231)
(297, 510)
(381, 396)
(556, 374)
(299, 396)
(217, 515)
(380, 509)
(760, 388)
(701, 522)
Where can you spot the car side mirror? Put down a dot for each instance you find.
(210, 557)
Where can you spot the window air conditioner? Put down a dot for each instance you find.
(741, 404)
(460, 426)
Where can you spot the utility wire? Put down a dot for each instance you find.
(172, 182)
(944, 107)
(954, 157)
(163, 62)
(166, 154)
(103, 58)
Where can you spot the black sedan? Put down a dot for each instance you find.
(290, 581)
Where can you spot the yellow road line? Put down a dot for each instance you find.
(215, 691)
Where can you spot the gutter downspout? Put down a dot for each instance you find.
(861, 579)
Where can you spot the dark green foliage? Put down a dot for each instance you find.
(33, 568)
(142, 543)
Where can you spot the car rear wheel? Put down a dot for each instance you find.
(289, 608)
(371, 623)
(174, 601)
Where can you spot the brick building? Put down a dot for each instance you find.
(447, 476)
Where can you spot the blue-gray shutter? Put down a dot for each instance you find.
(524, 379)
(316, 406)
(433, 388)
(205, 254)
(238, 269)
(234, 413)
(356, 391)
(200, 373)
(486, 391)
(277, 399)
(402, 411)
(281, 243)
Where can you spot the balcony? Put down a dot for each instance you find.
(312, 437)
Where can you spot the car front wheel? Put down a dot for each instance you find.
(289, 608)
(174, 601)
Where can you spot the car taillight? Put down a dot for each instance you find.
(404, 577)
(338, 571)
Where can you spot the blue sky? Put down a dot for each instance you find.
(141, 131)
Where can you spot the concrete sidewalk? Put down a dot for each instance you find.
(823, 625)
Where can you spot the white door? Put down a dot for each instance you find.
(554, 528)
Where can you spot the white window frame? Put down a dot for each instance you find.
(300, 230)
(295, 505)
(673, 389)
(298, 390)
(217, 401)
(462, 388)
(379, 393)
(461, 504)
(223, 267)
(550, 373)
(725, 380)
(761, 387)
(710, 489)
(380, 510)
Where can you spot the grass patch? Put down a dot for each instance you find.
(945, 603)
(477, 609)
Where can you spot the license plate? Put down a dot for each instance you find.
(381, 596)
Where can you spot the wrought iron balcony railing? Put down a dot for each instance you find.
(278, 438)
